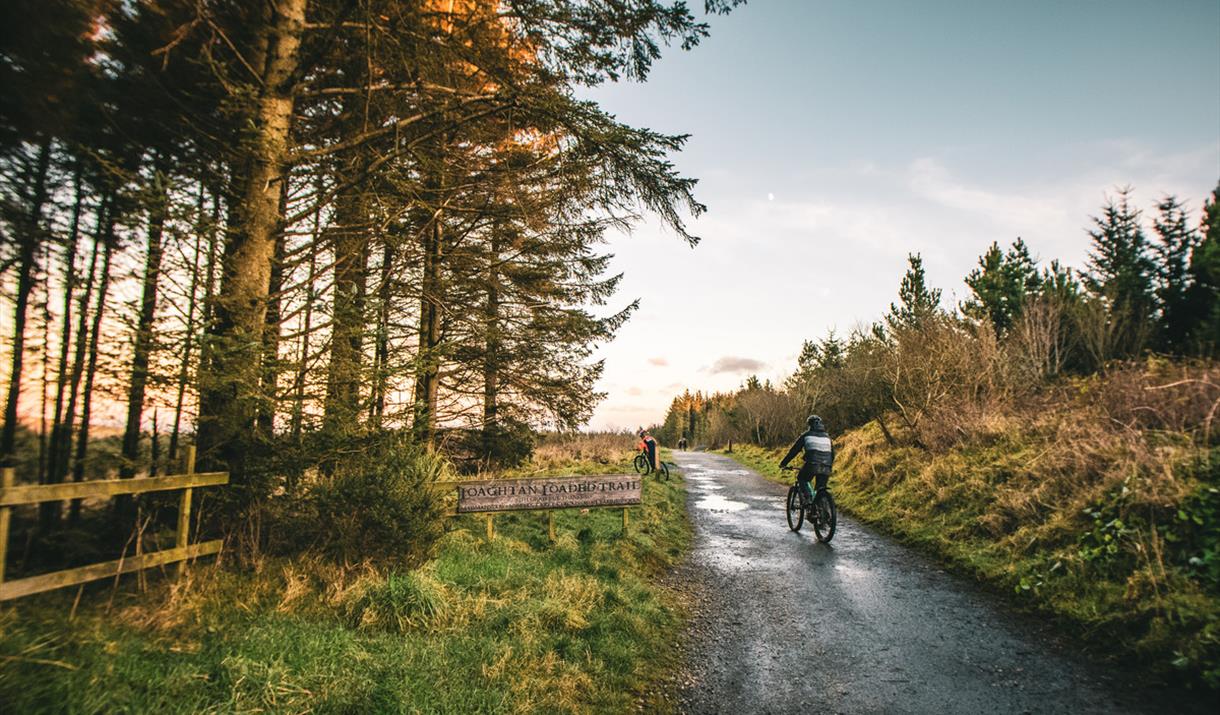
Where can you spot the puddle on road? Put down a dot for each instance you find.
(715, 502)
(853, 572)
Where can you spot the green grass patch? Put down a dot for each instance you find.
(515, 625)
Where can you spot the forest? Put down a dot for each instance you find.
(303, 233)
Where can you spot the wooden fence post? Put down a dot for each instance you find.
(624, 521)
(7, 475)
(550, 526)
(184, 510)
(491, 528)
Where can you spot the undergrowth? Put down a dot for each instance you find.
(1114, 531)
(515, 625)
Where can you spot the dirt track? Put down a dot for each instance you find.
(864, 625)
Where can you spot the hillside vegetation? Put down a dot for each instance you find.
(1054, 434)
(1110, 524)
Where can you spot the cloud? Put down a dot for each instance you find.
(732, 364)
(931, 180)
(634, 391)
(658, 361)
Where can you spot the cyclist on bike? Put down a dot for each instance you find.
(819, 455)
(649, 445)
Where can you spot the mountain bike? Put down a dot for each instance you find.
(819, 510)
(643, 467)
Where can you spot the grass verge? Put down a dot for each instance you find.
(514, 625)
(1115, 539)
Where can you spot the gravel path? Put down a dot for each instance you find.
(865, 625)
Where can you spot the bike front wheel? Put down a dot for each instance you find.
(796, 514)
(641, 464)
(825, 517)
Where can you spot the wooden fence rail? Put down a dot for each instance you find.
(183, 550)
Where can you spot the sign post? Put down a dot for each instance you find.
(598, 490)
(548, 493)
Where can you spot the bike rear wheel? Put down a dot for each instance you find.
(796, 513)
(825, 517)
(663, 471)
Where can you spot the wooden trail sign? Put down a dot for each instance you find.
(597, 490)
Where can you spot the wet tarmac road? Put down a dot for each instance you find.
(864, 625)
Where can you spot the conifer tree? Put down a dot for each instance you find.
(1000, 285)
(1175, 244)
(1120, 272)
(1203, 297)
(917, 303)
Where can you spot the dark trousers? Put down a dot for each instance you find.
(807, 474)
(652, 454)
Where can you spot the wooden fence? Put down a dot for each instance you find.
(183, 550)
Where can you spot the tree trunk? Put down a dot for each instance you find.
(142, 349)
(491, 353)
(188, 341)
(428, 369)
(346, 345)
(271, 330)
(82, 438)
(104, 226)
(27, 252)
(229, 381)
(55, 472)
(298, 407)
(381, 353)
(885, 431)
(45, 349)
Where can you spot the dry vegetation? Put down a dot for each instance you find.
(1096, 500)
(573, 453)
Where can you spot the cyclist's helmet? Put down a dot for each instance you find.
(815, 423)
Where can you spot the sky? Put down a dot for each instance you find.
(831, 138)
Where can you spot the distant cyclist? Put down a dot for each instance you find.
(649, 445)
(819, 455)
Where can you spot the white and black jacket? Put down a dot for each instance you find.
(818, 449)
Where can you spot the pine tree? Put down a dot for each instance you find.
(1173, 249)
(1120, 272)
(917, 303)
(1203, 298)
(1000, 285)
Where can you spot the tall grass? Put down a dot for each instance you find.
(1099, 503)
(515, 625)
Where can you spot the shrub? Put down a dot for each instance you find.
(381, 508)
